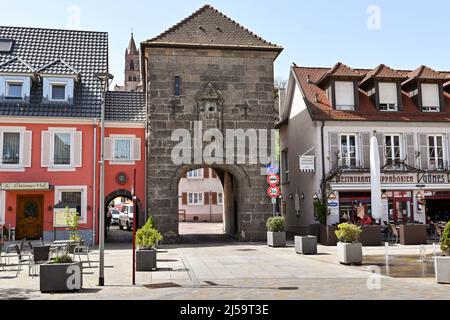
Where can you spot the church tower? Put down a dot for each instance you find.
(132, 67)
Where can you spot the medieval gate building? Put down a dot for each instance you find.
(211, 70)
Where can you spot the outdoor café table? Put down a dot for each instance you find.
(413, 234)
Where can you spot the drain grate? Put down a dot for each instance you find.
(162, 285)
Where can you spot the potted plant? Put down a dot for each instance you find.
(276, 234)
(442, 264)
(146, 239)
(61, 275)
(349, 249)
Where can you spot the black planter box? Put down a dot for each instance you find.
(146, 260)
(64, 277)
(371, 236)
(328, 235)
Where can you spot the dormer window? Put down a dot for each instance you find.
(388, 96)
(345, 95)
(430, 97)
(58, 89)
(58, 92)
(14, 90)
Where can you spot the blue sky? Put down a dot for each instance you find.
(402, 34)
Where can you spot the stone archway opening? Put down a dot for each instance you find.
(119, 210)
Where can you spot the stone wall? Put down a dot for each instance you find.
(244, 79)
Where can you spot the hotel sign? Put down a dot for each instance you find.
(25, 186)
(389, 178)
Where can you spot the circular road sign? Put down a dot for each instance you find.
(273, 192)
(273, 179)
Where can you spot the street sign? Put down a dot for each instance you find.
(273, 179)
(273, 192)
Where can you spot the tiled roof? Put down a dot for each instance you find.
(58, 67)
(383, 72)
(320, 107)
(424, 73)
(209, 27)
(85, 52)
(15, 65)
(339, 70)
(125, 106)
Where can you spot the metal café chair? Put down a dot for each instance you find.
(22, 259)
(40, 256)
(83, 250)
(1, 264)
(394, 233)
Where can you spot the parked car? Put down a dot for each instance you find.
(126, 217)
(115, 215)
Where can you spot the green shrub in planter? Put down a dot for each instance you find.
(445, 241)
(65, 258)
(148, 236)
(348, 233)
(276, 224)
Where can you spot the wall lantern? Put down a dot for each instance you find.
(88, 208)
(315, 197)
(10, 208)
(50, 208)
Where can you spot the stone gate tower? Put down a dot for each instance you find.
(208, 69)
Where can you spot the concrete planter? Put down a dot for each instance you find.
(146, 260)
(328, 235)
(306, 244)
(371, 236)
(349, 253)
(63, 277)
(442, 269)
(276, 239)
(413, 234)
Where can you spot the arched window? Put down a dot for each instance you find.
(131, 65)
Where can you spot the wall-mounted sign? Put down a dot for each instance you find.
(60, 216)
(307, 163)
(394, 178)
(25, 186)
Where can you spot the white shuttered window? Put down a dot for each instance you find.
(122, 149)
(345, 95)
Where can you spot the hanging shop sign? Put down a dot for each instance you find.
(307, 163)
(394, 178)
(25, 186)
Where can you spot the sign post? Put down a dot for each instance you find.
(133, 192)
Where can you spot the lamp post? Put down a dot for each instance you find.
(105, 79)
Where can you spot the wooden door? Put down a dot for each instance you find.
(30, 217)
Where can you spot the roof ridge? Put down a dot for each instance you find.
(54, 29)
(197, 13)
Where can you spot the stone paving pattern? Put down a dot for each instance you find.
(234, 271)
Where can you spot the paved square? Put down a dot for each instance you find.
(236, 271)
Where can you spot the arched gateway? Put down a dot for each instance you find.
(207, 75)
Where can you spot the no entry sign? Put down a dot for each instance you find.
(273, 192)
(273, 179)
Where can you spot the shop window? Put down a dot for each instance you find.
(435, 152)
(195, 198)
(76, 196)
(392, 151)
(348, 149)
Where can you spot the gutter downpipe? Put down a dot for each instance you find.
(322, 185)
(94, 185)
(144, 79)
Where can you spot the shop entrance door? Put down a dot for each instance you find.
(400, 206)
(30, 217)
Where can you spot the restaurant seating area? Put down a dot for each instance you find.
(18, 256)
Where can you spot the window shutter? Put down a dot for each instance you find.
(345, 95)
(410, 150)
(78, 149)
(137, 149)
(108, 149)
(430, 95)
(365, 139)
(381, 143)
(214, 198)
(206, 173)
(423, 151)
(206, 197)
(45, 149)
(27, 149)
(184, 198)
(213, 174)
(333, 141)
(388, 92)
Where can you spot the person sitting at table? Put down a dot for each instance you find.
(366, 220)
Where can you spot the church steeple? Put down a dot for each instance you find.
(132, 50)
